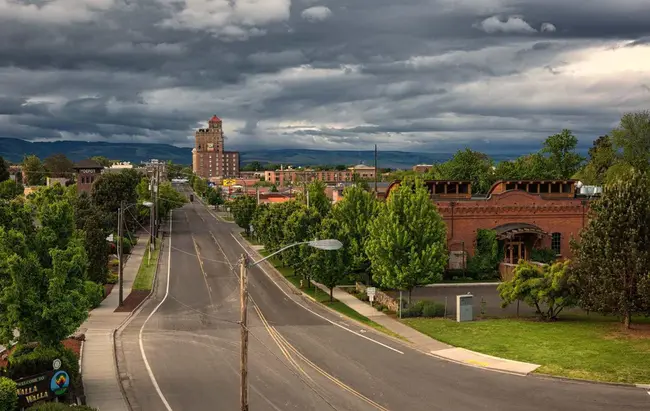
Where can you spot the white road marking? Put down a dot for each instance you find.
(144, 356)
(310, 310)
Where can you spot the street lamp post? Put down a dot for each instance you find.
(328, 245)
(120, 234)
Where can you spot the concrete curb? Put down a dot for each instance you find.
(443, 285)
(584, 381)
(82, 400)
(126, 320)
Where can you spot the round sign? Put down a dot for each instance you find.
(56, 364)
(60, 382)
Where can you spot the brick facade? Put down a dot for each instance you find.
(87, 172)
(208, 156)
(537, 219)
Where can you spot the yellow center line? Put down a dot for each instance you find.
(279, 343)
(318, 369)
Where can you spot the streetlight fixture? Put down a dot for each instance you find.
(120, 234)
(327, 245)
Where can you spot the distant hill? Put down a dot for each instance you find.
(14, 150)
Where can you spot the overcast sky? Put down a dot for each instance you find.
(420, 75)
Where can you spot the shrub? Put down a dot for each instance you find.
(8, 396)
(59, 406)
(543, 255)
(94, 293)
(433, 309)
(127, 246)
(30, 359)
(112, 278)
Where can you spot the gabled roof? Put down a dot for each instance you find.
(88, 163)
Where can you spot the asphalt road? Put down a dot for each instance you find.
(302, 357)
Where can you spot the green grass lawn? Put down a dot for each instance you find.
(249, 238)
(324, 298)
(144, 278)
(578, 346)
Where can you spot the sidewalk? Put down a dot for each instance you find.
(427, 344)
(98, 368)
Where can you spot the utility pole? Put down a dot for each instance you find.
(376, 176)
(151, 214)
(307, 198)
(120, 255)
(243, 282)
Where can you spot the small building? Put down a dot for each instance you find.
(525, 215)
(51, 181)
(363, 171)
(87, 172)
(422, 168)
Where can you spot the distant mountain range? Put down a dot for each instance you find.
(14, 150)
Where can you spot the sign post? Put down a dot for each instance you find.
(371, 292)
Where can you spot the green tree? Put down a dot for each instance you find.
(329, 267)
(549, 289)
(602, 156)
(528, 167)
(4, 170)
(268, 223)
(58, 165)
(468, 165)
(301, 225)
(243, 210)
(632, 138)
(612, 257)
(200, 186)
(317, 197)
(215, 197)
(10, 189)
(97, 250)
(110, 189)
(253, 166)
(103, 161)
(407, 240)
(563, 161)
(34, 171)
(45, 304)
(354, 213)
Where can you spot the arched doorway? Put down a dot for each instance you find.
(518, 240)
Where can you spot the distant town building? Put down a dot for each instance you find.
(87, 172)
(422, 168)
(121, 165)
(526, 215)
(208, 156)
(286, 176)
(51, 181)
(363, 171)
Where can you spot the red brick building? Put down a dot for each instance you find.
(209, 159)
(524, 214)
(87, 172)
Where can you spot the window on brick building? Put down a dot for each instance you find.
(556, 243)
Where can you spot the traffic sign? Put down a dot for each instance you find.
(229, 182)
(56, 364)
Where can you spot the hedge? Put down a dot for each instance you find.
(30, 359)
(59, 406)
(8, 396)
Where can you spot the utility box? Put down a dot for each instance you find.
(464, 310)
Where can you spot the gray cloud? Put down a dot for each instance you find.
(414, 74)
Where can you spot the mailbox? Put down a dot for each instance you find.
(464, 308)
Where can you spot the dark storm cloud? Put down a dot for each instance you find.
(414, 73)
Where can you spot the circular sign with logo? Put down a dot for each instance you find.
(60, 382)
(56, 364)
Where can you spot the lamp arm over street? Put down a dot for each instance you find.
(254, 263)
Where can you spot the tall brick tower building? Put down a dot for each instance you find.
(208, 156)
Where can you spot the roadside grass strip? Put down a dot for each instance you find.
(144, 279)
(590, 347)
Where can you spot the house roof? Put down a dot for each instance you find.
(88, 163)
(215, 119)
